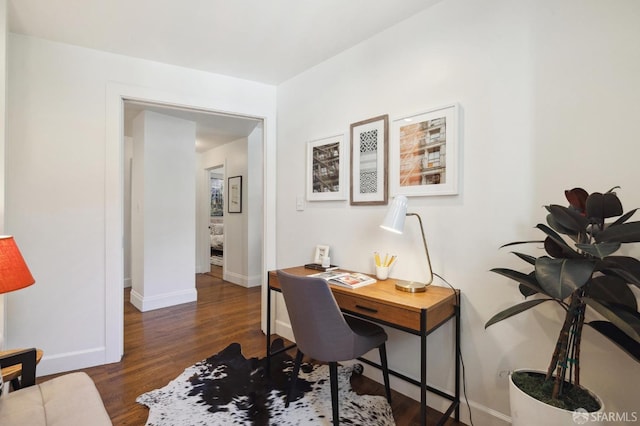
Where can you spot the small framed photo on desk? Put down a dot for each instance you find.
(321, 252)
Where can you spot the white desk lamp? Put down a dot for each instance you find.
(394, 222)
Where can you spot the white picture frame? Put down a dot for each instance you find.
(326, 169)
(424, 153)
(321, 252)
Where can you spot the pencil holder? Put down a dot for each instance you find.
(382, 272)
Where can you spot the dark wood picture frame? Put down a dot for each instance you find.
(370, 161)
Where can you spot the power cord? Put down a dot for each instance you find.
(464, 376)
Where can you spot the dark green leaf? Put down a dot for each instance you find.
(612, 289)
(524, 279)
(559, 251)
(624, 233)
(557, 238)
(600, 250)
(514, 310)
(527, 258)
(561, 277)
(601, 206)
(626, 320)
(616, 335)
(515, 243)
(625, 267)
(526, 291)
(557, 226)
(568, 218)
(622, 219)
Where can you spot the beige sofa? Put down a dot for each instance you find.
(67, 400)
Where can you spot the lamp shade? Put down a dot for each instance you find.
(397, 213)
(14, 273)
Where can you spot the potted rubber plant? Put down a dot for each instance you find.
(579, 271)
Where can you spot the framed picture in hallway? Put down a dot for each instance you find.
(424, 153)
(234, 194)
(325, 169)
(369, 161)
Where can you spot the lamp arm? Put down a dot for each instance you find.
(426, 250)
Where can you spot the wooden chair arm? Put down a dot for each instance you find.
(27, 358)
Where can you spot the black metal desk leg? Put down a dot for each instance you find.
(457, 358)
(423, 367)
(268, 327)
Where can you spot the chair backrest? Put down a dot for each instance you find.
(319, 328)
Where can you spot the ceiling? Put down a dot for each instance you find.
(212, 129)
(262, 40)
(268, 41)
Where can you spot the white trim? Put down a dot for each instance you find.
(482, 415)
(242, 280)
(150, 303)
(69, 361)
(283, 329)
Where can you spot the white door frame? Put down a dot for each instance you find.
(116, 93)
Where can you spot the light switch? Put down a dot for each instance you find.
(300, 203)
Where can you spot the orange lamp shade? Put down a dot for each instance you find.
(14, 273)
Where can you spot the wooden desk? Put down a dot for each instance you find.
(13, 372)
(415, 313)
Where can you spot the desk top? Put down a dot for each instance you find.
(381, 300)
(14, 371)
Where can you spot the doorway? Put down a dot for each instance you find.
(261, 109)
(216, 221)
(221, 139)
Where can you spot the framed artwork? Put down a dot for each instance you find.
(369, 161)
(234, 194)
(325, 169)
(424, 153)
(321, 253)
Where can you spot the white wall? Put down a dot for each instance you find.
(64, 185)
(164, 211)
(548, 94)
(3, 81)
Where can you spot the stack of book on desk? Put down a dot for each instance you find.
(319, 267)
(345, 279)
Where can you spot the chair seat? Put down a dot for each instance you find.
(367, 336)
(365, 328)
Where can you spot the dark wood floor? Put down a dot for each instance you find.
(160, 344)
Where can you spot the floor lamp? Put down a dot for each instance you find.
(394, 222)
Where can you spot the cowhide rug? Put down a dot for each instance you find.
(228, 389)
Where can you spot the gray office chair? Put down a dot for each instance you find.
(324, 334)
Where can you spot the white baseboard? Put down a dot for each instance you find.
(53, 364)
(481, 414)
(283, 329)
(242, 280)
(149, 303)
